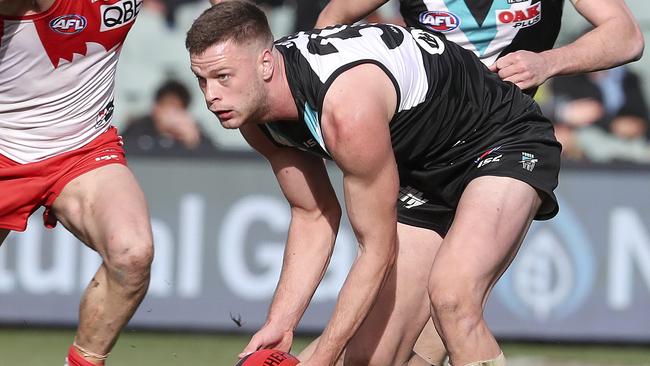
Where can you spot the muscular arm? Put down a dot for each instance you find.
(615, 40)
(315, 216)
(346, 12)
(356, 114)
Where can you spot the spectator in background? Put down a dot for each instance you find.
(602, 116)
(610, 99)
(167, 9)
(169, 129)
(306, 11)
(307, 14)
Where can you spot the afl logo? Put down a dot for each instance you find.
(68, 24)
(440, 21)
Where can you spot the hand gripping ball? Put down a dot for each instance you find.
(268, 357)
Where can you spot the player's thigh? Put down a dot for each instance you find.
(493, 216)
(105, 207)
(402, 308)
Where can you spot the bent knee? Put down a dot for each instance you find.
(131, 258)
(455, 305)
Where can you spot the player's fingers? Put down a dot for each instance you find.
(517, 80)
(251, 347)
(526, 84)
(505, 61)
(508, 72)
(493, 67)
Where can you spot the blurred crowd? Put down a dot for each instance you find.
(599, 117)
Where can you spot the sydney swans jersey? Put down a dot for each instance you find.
(489, 28)
(57, 71)
(448, 102)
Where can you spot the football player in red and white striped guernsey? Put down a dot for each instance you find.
(58, 150)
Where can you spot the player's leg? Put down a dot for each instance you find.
(311, 347)
(493, 216)
(106, 209)
(390, 330)
(428, 349)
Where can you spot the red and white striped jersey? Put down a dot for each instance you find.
(57, 72)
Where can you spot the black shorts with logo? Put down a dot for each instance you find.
(530, 153)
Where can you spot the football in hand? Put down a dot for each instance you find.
(268, 357)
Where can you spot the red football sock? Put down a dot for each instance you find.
(75, 359)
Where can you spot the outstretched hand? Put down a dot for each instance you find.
(525, 69)
(269, 336)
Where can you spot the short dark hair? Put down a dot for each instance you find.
(237, 20)
(175, 88)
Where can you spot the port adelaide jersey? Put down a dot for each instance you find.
(445, 95)
(57, 71)
(489, 28)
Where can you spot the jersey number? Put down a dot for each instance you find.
(428, 41)
(320, 44)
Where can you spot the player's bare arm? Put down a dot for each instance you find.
(315, 216)
(346, 12)
(356, 114)
(20, 7)
(615, 40)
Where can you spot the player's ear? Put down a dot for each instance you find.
(267, 64)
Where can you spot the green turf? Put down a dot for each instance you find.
(46, 347)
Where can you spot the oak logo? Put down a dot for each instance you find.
(521, 18)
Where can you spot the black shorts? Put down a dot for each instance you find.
(430, 193)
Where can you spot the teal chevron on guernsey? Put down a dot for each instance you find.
(479, 35)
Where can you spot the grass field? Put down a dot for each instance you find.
(47, 347)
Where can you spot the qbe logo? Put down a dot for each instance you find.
(119, 14)
(440, 21)
(68, 24)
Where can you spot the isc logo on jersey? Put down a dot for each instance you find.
(521, 18)
(68, 24)
(119, 14)
(440, 21)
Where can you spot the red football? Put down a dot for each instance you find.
(268, 357)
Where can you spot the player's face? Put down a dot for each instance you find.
(228, 75)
